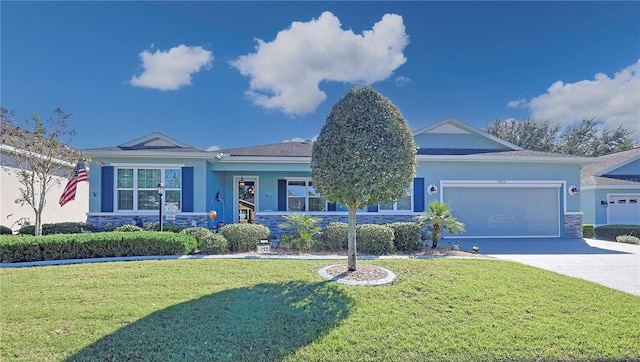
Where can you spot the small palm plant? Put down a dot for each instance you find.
(301, 232)
(439, 218)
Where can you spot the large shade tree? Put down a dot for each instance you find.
(364, 155)
(588, 138)
(38, 156)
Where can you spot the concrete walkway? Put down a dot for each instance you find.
(615, 265)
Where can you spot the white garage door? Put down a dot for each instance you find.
(624, 209)
(506, 210)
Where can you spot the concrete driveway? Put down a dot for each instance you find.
(611, 264)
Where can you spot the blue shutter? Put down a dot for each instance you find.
(187, 189)
(418, 194)
(331, 206)
(106, 189)
(372, 208)
(282, 195)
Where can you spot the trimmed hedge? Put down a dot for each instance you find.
(244, 237)
(96, 245)
(334, 236)
(59, 228)
(610, 232)
(588, 231)
(406, 236)
(374, 239)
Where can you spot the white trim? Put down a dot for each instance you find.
(152, 136)
(256, 182)
(97, 153)
(573, 213)
(134, 165)
(604, 187)
(493, 158)
(21, 151)
(458, 123)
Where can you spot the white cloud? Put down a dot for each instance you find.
(286, 72)
(615, 100)
(401, 81)
(519, 103)
(213, 148)
(172, 69)
(298, 139)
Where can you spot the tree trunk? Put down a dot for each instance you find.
(351, 238)
(38, 226)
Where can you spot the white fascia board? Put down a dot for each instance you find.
(11, 149)
(522, 159)
(150, 153)
(608, 187)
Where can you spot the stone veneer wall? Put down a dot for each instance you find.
(572, 226)
(105, 222)
(572, 222)
(273, 221)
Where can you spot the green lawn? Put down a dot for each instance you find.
(257, 310)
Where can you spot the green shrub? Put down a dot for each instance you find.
(5, 230)
(374, 239)
(334, 236)
(128, 228)
(243, 237)
(611, 232)
(406, 236)
(59, 228)
(628, 239)
(300, 232)
(208, 242)
(588, 231)
(213, 244)
(95, 245)
(174, 228)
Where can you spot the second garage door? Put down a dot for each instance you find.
(505, 210)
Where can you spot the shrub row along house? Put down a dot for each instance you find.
(496, 188)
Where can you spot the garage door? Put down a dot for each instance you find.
(624, 209)
(506, 210)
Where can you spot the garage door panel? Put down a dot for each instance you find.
(624, 209)
(505, 211)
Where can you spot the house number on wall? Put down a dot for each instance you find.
(502, 181)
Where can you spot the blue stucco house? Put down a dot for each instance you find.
(496, 188)
(610, 189)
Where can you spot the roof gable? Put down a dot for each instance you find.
(155, 140)
(452, 136)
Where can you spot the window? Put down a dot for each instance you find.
(302, 196)
(401, 204)
(137, 188)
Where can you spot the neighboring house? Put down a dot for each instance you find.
(15, 215)
(494, 187)
(610, 189)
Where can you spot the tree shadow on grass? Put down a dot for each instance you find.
(258, 323)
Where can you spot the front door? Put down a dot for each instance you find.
(246, 196)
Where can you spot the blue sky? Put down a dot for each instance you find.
(232, 74)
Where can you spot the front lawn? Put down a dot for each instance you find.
(257, 310)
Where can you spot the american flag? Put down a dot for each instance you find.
(79, 175)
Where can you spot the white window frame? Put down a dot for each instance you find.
(409, 192)
(307, 182)
(135, 189)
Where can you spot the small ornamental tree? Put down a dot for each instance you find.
(38, 156)
(364, 155)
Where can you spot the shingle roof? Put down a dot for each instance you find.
(592, 174)
(284, 149)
